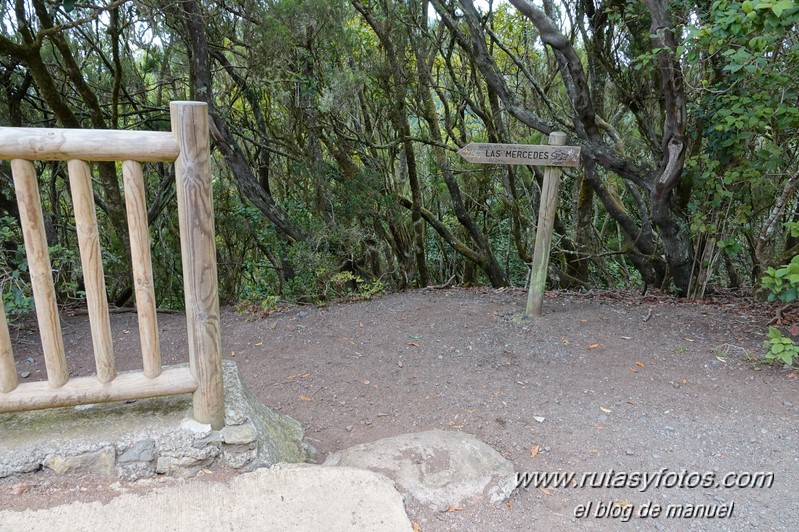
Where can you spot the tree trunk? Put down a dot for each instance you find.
(399, 118)
(201, 90)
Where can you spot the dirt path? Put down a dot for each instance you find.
(602, 383)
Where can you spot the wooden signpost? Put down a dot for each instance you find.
(553, 157)
(530, 154)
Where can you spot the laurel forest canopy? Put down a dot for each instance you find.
(335, 127)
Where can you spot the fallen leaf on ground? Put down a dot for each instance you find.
(793, 375)
(510, 505)
(454, 508)
(633, 370)
(360, 324)
(593, 346)
(304, 398)
(414, 344)
(259, 343)
(399, 363)
(19, 489)
(606, 410)
(534, 451)
(639, 363)
(416, 527)
(684, 381)
(632, 403)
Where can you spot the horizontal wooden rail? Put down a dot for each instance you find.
(39, 144)
(88, 390)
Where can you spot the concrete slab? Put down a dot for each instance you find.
(290, 497)
(437, 468)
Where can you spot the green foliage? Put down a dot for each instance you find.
(14, 278)
(780, 349)
(341, 284)
(783, 283)
(741, 61)
(310, 106)
(15, 284)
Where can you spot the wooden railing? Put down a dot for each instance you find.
(187, 145)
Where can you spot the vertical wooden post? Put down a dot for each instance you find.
(80, 180)
(136, 206)
(30, 214)
(543, 233)
(8, 372)
(196, 216)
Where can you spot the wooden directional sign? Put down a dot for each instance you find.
(530, 154)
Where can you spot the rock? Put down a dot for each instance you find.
(201, 430)
(239, 434)
(25, 374)
(101, 461)
(212, 439)
(279, 436)
(438, 468)
(144, 451)
(239, 457)
(180, 466)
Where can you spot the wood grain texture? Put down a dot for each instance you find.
(196, 215)
(8, 371)
(42, 144)
(136, 206)
(30, 213)
(87, 390)
(543, 233)
(80, 180)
